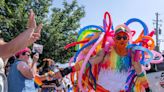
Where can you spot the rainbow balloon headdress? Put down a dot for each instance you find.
(101, 38)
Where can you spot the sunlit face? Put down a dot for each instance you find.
(121, 39)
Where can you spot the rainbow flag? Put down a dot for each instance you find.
(37, 81)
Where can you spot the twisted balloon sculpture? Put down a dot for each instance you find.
(143, 45)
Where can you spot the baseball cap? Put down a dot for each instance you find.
(22, 51)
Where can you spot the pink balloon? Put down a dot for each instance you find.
(70, 61)
(108, 44)
(156, 54)
(79, 58)
(137, 55)
(86, 60)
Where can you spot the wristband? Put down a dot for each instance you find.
(66, 71)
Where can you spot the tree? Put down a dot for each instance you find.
(14, 13)
(58, 30)
(62, 30)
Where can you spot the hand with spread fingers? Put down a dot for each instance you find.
(31, 26)
(24, 39)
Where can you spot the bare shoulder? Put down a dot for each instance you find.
(22, 65)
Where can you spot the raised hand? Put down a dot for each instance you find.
(24, 39)
(32, 27)
(31, 24)
(36, 34)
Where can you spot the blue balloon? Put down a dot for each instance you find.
(112, 27)
(86, 45)
(89, 35)
(145, 50)
(146, 31)
(131, 45)
(104, 24)
(90, 72)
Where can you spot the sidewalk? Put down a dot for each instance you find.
(155, 79)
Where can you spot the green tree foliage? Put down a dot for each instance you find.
(14, 15)
(59, 29)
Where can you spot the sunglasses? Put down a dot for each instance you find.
(26, 54)
(120, 37)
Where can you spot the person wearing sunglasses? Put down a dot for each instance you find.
(117, 69)
(24, 39)
(22, 72)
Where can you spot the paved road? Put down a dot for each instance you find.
(155, 79)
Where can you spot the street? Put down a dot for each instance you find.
(156, 80)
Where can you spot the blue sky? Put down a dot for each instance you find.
(121, 11)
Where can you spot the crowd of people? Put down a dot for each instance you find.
(24, 68)
(18, 67)
(8, 49)
(20, 71)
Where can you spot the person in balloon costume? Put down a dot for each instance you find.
(109, 60)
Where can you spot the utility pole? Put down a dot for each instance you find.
(157, 47)
(157, 32)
